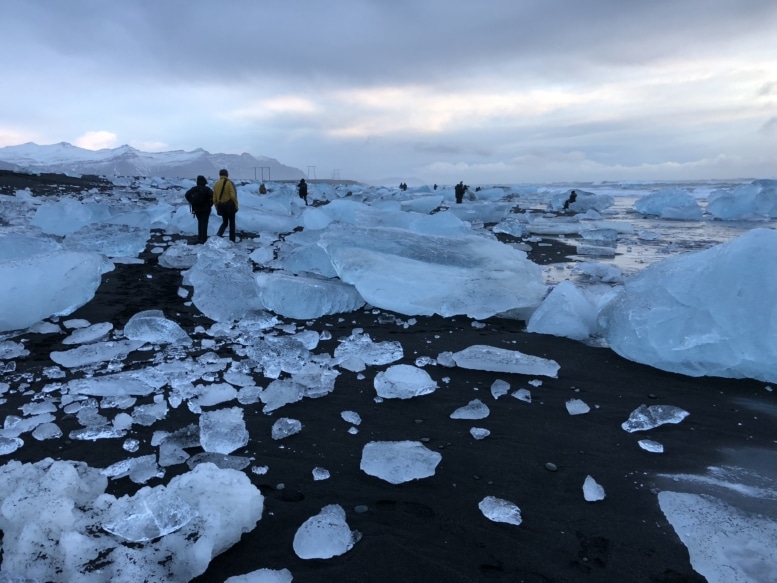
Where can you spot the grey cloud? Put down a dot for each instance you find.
(373, 41)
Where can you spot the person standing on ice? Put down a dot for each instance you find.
(225, 199)
(302, 190)
(572, 198)
(459, 190)
(200, 199)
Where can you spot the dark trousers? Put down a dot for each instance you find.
(228, 219)
(202, 225)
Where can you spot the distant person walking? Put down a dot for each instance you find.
(459, 190)
(200, 199)
(225, 199)
(302, 190)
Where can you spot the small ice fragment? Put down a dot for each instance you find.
(324, 535)
(475, 409)
(479, 433)
(644, 417)
(651, 446)
(592, 491)
(284, 427)
(523, 395)
(320, 474)
(351, 417)
(499, 510)
(577, 407)
(499, 388)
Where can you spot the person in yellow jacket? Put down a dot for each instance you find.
(225, 199)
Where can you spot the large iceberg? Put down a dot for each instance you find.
(416, 274)
(710, 312)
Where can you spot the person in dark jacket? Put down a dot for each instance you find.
(459, 190)
(200, 199)
(225, 199)
(302, 190)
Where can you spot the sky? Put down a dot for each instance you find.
(515, 91)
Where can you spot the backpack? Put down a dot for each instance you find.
(200, 197)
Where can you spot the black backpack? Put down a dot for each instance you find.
(200, 197)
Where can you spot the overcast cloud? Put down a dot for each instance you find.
(441, 90)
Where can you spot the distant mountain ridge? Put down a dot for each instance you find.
(125, 160)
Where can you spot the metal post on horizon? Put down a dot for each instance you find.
(314, 172)
(263, 168)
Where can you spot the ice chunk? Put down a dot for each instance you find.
(284, 427)
(756, 200)
(10, 349)
(112, 385)
(411, 273)
(8, 445)
(223, 430)
(670, 203)
(475, 409)
(152, 326)
(320, 474)
(89, 334)
(479, 433)
(351, 417)
(499, 510)
(604, 272)
(221, 267)
(361, 346)
(147, 515)
(577, 407)
(482, 357)
(523, 395)
(324, 535)
(42, 285)
(398, 461)
(651, 446)
(644, 418)
(109, 239)
(281, 392)
(305, 297)
(725, 544)
(403, 381)
(702, 313)
(263, 576)
(96, 353)
(567, 312)
(499, 388)
(592, 491)
(277, 354)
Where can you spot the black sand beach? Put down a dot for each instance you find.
(432, 529)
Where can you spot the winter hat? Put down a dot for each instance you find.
(201, 181)
(223, 172)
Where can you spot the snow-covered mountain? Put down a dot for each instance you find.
(127, 161)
